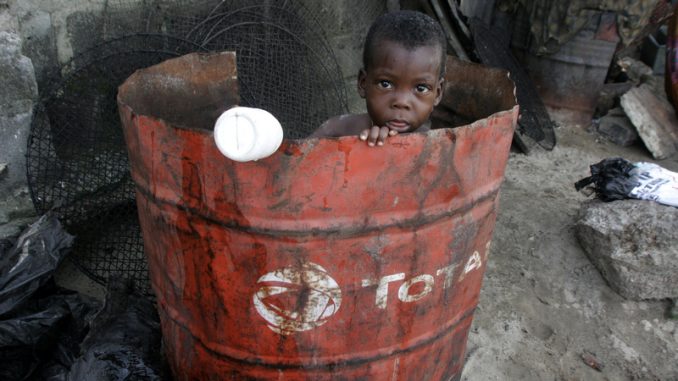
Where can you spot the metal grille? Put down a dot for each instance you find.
(77, 160)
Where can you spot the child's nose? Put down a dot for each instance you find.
(401, 100)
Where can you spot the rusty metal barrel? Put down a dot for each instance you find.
(329, 260)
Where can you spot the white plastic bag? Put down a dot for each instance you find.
(654, 183)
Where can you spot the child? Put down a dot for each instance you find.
(401, 79)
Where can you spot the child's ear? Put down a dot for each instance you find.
(440, 89)
(362, 77)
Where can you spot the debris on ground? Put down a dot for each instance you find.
(618, 179)
(617, 128)
(591, 360)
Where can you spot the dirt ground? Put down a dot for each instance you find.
(544, 307)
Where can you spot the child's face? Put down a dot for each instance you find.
(401, 86)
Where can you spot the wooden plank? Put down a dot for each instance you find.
(654, 119)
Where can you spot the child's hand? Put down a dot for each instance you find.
(376, 135)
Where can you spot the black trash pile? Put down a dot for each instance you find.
(51, 333)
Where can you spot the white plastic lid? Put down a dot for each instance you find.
(245, 133)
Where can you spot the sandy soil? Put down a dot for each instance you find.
(544, 307)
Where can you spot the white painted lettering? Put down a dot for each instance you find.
(404, 290)
(473, 263)
(448, 272)
(382, 288)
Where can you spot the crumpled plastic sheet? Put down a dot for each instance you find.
(124, 340)
(41, 325)
(31, 261)
(53, 334)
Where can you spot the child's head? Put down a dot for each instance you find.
(403, 67)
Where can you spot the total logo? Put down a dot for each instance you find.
(297, 299)
(310, 290)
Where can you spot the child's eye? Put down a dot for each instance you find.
(385, 84)
(423, 88)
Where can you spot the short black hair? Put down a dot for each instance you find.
(411, 29)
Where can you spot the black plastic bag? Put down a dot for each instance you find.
(41, 325)
(45, 331)
(611, 179)
(124, 339)
(31, 261)
(41, 339)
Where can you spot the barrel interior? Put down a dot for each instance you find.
(472, 92)
(190, 91)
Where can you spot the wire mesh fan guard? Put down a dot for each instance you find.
(76, 157)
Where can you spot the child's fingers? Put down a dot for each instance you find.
(363, 135)
(374, 136)
(383, 133)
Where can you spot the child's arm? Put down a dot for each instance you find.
(331, 128)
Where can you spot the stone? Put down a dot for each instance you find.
(610, 94)
(633, 244)
(637, 71)
(617, 128)
(654, 118)
(17, 96)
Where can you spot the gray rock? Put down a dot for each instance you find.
(17, 96)
(634, 245)
(618, 128)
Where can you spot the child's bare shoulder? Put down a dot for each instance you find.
(343, 125)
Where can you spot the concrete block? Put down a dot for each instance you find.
(634, 245)
(654, 119)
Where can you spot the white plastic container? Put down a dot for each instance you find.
(247, 134)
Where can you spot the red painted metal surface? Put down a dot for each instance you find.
(328, 260)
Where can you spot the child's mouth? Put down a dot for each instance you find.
(398, 125)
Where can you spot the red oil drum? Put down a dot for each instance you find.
(329, 260)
